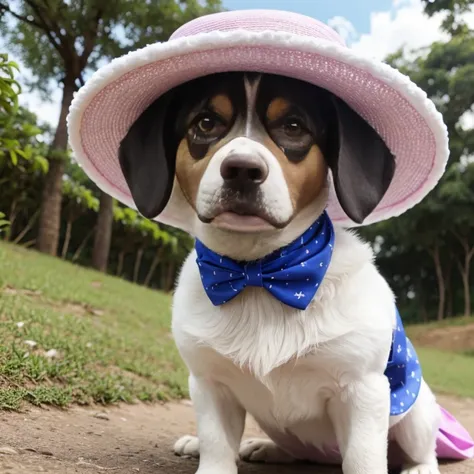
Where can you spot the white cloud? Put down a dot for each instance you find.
(405, 26)
(344, 27)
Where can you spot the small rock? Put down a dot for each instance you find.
(187, 403)
(7, 450)
(101, 416)
(46, 453)
(51, 354)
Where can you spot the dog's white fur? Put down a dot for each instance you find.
(318, 373)
(275, 191)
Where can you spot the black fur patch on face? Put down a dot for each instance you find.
(303, 122)
(198, 120)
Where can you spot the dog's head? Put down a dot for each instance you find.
(251, 154)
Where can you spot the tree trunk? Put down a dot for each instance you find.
(449, 301)
(449, 288)
(138, 261)
(67, 239)
(121, 257)
(11, 218)
(50, 215)
(169, 282)
(154, 264)
(103, 235)
(441, 284)
(79, 250)
(467, 292)
(28, 227)
(465, 270)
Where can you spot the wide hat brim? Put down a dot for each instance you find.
(115, 96)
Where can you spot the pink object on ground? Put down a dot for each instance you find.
(453, 443)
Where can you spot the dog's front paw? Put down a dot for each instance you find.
(187, 446)
(263, 450)
(421, 469)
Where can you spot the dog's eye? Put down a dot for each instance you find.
(293, 127)
(207, 124)
(206, 128)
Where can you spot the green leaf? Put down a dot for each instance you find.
(14, 157)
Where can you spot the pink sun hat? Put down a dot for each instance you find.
(264, 41)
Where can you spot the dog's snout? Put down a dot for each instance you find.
(244, 169)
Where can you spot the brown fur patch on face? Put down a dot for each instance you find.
(190, 171)
(305, 179)
(222, 105)
(277, 108)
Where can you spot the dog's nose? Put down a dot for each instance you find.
(244, 169)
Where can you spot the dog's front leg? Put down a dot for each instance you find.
(360, 413)
(220, 425)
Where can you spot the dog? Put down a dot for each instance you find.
(255, 162)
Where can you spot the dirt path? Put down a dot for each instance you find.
(450, 338)
(131, 439)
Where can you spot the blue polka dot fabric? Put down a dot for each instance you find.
(291, 274)
(403, 371)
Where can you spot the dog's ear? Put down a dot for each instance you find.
(360, 161)
(147, 157)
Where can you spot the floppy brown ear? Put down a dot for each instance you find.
(147, 157)
(360, 161)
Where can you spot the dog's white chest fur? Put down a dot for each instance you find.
(280, 363)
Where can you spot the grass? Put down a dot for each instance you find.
(447, 372)
(73, 335)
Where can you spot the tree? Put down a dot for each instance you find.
(60, 41)
(79, 200)
(103, 234)
(453, 23)
(9, 90)
(21, 148)
(441, 226)
(457, 192)
(22, 167)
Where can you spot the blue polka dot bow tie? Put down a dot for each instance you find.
(291, 274)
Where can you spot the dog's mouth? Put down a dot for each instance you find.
(242, 216)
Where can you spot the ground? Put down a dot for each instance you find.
(134, 438)
(72, 337)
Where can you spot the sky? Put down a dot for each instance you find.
(372, 27)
